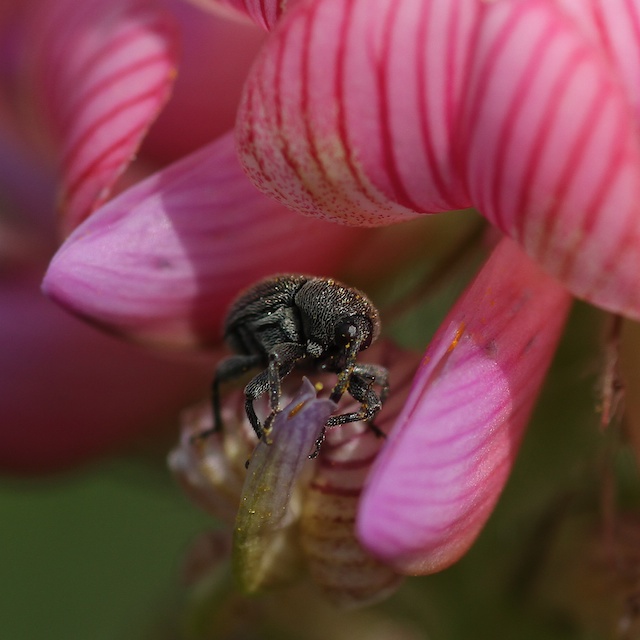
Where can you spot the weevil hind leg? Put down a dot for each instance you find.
(227, 370)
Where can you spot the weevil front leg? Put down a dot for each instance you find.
(360, 388)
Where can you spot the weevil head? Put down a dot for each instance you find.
(334, 315)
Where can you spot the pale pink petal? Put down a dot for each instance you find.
(263, 12)
(552, 151)
(69, 393)
(215, 56)
(350, 110)
(448, 457)
(100, 71)
(162, 261)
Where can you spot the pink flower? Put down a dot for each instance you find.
(373, 112)
(82, 85)
(376, 112)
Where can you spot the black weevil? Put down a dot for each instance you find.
(289, 319)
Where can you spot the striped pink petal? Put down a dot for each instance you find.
(101, 70)
(372, 111)
(349, 112)
(263, 12)
(347, 574)
(448, 457)
(614, 27)
(551, 151)
(161, 262)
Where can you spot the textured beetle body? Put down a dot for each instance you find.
(287, 320)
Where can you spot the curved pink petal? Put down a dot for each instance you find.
(263, 12)
(448, 457)
(215, 57)
(162, 261)
(69, 393)
(350, 110)
(100, 71)
(614, 27)
(371, 111)
(552, 151)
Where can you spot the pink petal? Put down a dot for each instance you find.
(162, 261)
(69, 393)
(448, 457)
(263, 12)
(371, 111)
(100, 72)
(552, 151)
(349, 111)
(613, 26)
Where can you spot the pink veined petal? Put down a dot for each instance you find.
(263, 12)
(613, 26)
(161, 262)
(374, 111)
(552, 152)
(449, 454)
(350, 109)
(101, 70)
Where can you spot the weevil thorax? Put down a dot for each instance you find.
(325, 304)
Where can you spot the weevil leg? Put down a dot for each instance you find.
(282, 359)
(360, 388)
(344, 377)
(376, 374)
(227, 370)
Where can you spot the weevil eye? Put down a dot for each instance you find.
(345, 333)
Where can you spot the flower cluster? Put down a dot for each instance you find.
(367, 112)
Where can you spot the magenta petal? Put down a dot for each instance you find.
(102, 69)
(162, 261)
(448, 457)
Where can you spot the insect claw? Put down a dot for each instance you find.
(318, 444)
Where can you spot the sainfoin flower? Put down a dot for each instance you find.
(289, 513)
(373, 112)
(79, 89)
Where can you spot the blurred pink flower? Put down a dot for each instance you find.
(376, 111)
(80, 86)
